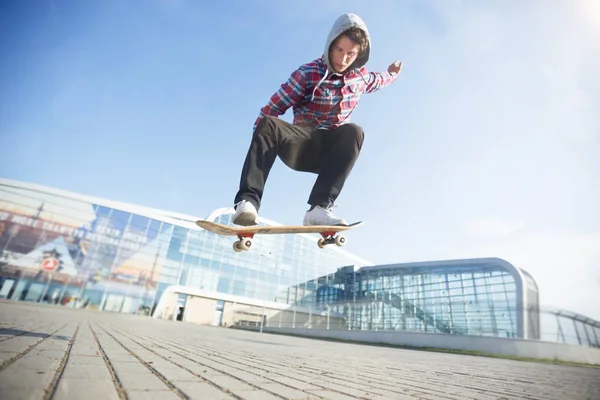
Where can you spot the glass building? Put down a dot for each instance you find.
(80, 251)
(485, 297)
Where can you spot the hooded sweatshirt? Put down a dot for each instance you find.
(321, 97)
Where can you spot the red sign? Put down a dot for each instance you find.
(50, 264)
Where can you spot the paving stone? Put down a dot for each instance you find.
(295, 383)
(326, 394)
(172, 373)
(22, 394)
(74, 371)
(230, 383)
(152, 395)
(81, 361)
(285, 391)
(36, 363)
(85, 350)
(129, 367)
(14, 378)
(256, 394)
(18, 344)
(201, 391)
(94, 388)
(143, 358)
(7, 355)
(141, 381)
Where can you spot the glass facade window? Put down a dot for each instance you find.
(61, 250)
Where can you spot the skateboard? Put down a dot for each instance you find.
(245, 234)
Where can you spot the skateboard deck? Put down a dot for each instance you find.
(245, 234)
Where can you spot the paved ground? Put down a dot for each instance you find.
(55, 353)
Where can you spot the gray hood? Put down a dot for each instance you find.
(342, 24)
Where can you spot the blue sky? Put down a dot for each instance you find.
(486, 146)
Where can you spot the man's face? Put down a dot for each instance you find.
(343, 53)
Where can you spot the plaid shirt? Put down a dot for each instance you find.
(327, 104)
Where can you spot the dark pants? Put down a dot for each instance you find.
(330, 154)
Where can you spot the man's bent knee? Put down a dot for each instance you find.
(355, 131)
(266, 125)
(269, 125)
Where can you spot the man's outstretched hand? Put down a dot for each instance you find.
(395, 67)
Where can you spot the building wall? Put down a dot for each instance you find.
(170, 308)
(203, 308)
(200, 310)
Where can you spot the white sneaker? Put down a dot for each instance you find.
(245, 214)
(322, 216)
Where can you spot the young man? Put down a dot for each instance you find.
(321, 140)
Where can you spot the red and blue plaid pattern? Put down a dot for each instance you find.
(326, 103)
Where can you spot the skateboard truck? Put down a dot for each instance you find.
(244, 242)
(329, 237)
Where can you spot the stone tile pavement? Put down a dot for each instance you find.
(49, 352)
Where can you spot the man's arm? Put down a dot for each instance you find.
(289, 93)
(378, 80)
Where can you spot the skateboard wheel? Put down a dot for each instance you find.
(340, 240)
(245, 243)
(321, 243)
(236, 246)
